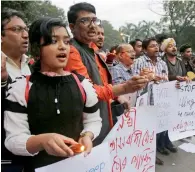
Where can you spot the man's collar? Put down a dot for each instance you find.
(90, 45)
(177, 58)
(149, 59)
(93, 46)
(185, 59)
(24, 58)
(124, 67)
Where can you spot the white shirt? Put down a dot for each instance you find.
(14, 71)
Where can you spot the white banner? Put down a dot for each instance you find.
(132, 98)
(176, 109)
(183, 121)
(97, 160)
(165, 98)
(133, 141)
(142, 100)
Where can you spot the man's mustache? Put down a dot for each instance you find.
(100, 39)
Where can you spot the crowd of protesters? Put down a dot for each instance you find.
(64, 95)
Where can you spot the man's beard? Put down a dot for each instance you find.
(100, 45)
(173, 54)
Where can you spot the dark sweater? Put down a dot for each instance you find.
(172, 73)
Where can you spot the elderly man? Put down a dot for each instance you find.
(85, 61)
(122, 72)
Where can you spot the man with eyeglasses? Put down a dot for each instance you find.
(85, 60)
(14, 42)
(122, 72)
(152, 61)
(14, 45)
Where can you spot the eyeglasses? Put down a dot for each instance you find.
(87, 21)
(18, 29)
(154, 46)
(130, 52)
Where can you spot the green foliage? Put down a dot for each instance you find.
(112, 37)
(35, 9)
(143, 30)
(180, 18)
(178, 22)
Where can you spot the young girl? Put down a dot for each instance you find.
(47, 112)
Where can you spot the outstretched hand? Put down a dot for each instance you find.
(135, 83)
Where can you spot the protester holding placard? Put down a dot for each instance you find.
(150, 60)
(51, 109)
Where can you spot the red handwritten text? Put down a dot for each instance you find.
(183, 125)
(136, 138)
(142, 161)
(128, 119)
(118, 164)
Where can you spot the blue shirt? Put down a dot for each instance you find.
(120, 74)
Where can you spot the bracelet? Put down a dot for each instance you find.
(86, 134)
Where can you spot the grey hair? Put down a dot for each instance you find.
(120, 48)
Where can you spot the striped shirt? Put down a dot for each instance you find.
(120, 74)
(160, 69)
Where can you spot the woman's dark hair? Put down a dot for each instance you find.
(146, 42)
(42, 28)
(7, 14)
(75, 9)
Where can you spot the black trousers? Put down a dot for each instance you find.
(11, 168)
(163, 140)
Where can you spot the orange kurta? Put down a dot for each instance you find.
(104, 92)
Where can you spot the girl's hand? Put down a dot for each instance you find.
(86, 141)
(55, 144)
